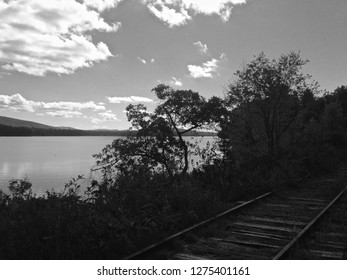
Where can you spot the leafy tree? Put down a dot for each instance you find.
(265, 101)
(159, 143)
(340, 96)
(182, 111)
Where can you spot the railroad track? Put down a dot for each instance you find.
(328, 237)
(267, 227)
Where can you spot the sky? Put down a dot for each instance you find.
(79, 63)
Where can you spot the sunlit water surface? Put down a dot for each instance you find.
(50, 162)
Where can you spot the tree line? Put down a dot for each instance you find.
(8, 130)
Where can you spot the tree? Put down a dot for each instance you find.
(20, 188)
(341, 97)
(265, 100)
(184, 111)
(159, 143)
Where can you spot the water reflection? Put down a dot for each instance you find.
(50, 162)
(4, 169)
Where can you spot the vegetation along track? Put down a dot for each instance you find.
(328, 237)
(267, 227)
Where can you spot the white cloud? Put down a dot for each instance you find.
(62, 109)
(101, 5)
(207, 69)
(142, 60)
(202, 47)
(64, 114)
(129, 99)
(71, 105)
(220, 7)
(96, 120)
(173, 15)
(108, 115)
(176, 82)
(17, 102)
(51, 36)
(179, 12)
(104, 116)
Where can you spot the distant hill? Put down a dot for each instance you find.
(65, 127)
(16, 127)
(21, 123)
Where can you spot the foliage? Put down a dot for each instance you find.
(265, 100)
(48, 227)
(20, 188)
(106, 223)
(280, 127)
(159, 145)
(266, 103)
(339, 96)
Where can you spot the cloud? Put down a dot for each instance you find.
(129, 99)
(142, 60)
(96, 120)
(179, 12)
(64, 114)
(108, 116)
(152, 60)
(176, 82)
(61, 109)
(207, 69)
(101, 5)
(202, 47)
(17, 102)
(170, 13)
(104, 116)
(62, 105)
(52, 36)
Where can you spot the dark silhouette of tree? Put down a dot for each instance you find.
(265, 101)
(340, 96)
(182, 111)
(159, 141)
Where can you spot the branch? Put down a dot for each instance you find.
(104, 165)
(189, 129)
(172, 122)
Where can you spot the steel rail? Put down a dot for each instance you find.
(203, 223)
(302, 232)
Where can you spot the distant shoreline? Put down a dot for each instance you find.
(24, 131)
(212, 135)
(10, 127)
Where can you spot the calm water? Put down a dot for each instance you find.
(50, 162)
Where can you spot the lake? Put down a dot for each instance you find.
(50, 162)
